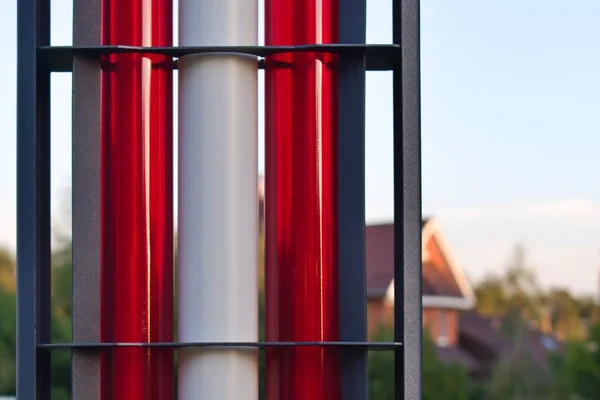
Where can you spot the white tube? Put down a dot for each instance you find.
(218, 201)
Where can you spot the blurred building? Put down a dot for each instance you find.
(460, 334)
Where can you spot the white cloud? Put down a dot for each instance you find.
(579, 211)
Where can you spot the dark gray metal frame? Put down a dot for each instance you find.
(407, 199)
(86, 378)
(351, 200)
(36, 60)
(33, 201)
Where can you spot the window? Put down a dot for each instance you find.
(442, 339)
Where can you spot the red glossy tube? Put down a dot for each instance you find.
(137, 201)
(301, 200)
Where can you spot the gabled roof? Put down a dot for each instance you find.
(435, 283)
(484, 335)
(444, 288)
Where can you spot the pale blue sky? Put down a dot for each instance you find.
(510, 94)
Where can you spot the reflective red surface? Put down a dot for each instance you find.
(301, 200)
(137, 201)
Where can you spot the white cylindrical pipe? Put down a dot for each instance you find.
(218, 201)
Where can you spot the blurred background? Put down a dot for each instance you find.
(511, 221)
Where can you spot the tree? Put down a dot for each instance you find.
(60, 326)
(491, 297)
(7, 271)
(62, 285)
(516, 375)
(567, 314)
(577, 369)
(440, 381)
(8, 320)
(381, 368)
(61, 359)
(521, 286)
(61, 312)
(516, 289)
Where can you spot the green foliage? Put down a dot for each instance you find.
(440, 381)
(7, 271)
(568, 313)
(517, 377)
(60, 328)
(574, 374)
(61, 359)
(381, 368)
(491, 296)
(62, 271)
(517, 288)
(556, 311)
(8, 320)
(577, 369)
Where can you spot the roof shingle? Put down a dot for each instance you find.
(380, 266)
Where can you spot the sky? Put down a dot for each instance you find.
(510, 93)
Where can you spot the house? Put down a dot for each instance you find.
(484, 338)
(461, 335)
(473, 341)
(445, 289)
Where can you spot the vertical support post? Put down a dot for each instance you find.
(218, 200)
(407, 200)
(351, 201)
(137, 201)
(33, 202)
(87, 246)
(301, 277)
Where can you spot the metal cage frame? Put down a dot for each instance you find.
(37, 60)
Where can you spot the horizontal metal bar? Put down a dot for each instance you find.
(224, 345)
(379, 57)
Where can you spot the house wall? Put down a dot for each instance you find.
(381, 313)
(441, 325)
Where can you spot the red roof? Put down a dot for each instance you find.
(380, 266)
(436, 283)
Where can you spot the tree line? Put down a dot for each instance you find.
(515, 295)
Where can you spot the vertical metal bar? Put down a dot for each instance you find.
(351, 201)
(86, 201)
(33, 202)
(407, 200)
